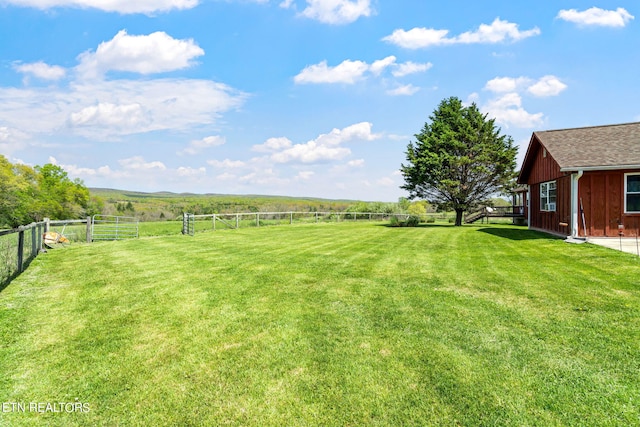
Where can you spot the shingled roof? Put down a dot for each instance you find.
(589, 148)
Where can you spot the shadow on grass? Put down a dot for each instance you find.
(517, 234)
(421, 225)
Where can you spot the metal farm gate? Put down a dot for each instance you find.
(109, 227)
(188, 224)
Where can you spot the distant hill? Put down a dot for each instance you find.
(167, 205)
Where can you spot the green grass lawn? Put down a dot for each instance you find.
(328, 324)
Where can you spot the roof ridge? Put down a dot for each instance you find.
(589, 127)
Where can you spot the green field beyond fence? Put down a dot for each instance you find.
(352, 323)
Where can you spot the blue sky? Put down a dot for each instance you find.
(311, 98)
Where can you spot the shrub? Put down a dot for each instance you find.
(395, 222)
(413, 221)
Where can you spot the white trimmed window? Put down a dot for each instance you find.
(548, 196)
(632, 192)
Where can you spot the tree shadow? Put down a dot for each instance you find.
(421, 225)
(517, 233)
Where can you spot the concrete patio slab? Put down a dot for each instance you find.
(625, 244)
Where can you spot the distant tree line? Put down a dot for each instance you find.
(29, 194)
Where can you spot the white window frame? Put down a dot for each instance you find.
(626, 192)
(546, 205)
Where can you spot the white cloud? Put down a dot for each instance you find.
(506, 84)
(337, 11)
(227, 164)
(597, 17)
(417, 38)
(144, 54)
(198, 145)
(41, 70)
(11, 140)
(190, 172)
(385, 182)
(263, 177)
(305, 175)
(405, 90)
(107, 109)
(273, 144)
(310, 152)
(507, 107)
(137, 163)
(358, 163)
(119, 6)
(498, 31)
(107, 114)
(350, 72)
(407, 68)
(378, 66)
(134, 170)
(508, 111)
(287, 4)
(347, 72)
(326, 147)
(547, 86)
(543, 87)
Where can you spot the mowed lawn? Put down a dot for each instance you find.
(329, 324)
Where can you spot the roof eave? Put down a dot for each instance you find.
(598, 168)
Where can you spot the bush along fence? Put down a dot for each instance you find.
(19, 246)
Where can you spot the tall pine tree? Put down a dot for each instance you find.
(459, 159)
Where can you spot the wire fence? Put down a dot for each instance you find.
(211, 222)
(20, 246)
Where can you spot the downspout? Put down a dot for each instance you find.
(575, 207)
(528, 206)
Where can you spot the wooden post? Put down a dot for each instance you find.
(89, 237)
(40, 226)
(257, 219)
(47, 225)
(20, 249)
(214, 222)
(34, 247)
(291, 218)
(237, 221)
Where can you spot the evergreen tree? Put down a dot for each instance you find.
(459, 159)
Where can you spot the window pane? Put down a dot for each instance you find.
(633, 183)
(633, 202)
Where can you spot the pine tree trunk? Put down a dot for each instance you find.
(459, 213)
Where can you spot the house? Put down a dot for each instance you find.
(584, 181)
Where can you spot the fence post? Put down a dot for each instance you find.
(290, 218)
(20, 249)
(34, 249)
(47, 224)
(39, 227)
(257, 219)
(89, 237)
(237, 221)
